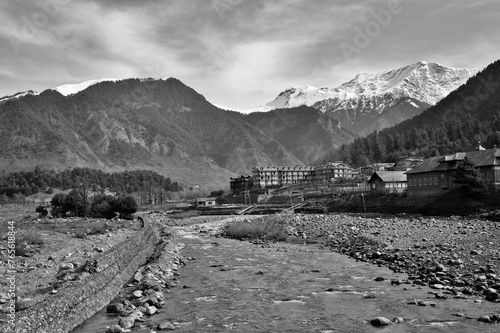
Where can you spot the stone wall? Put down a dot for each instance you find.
(76, 301)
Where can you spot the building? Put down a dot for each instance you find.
(205, 202)
(331, 171)
(367, 171)
(434, 176)
(388, 182)
(240, 184)
(405, 163)
(281, 175)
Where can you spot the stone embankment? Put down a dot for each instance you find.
(97, 283)
(144, 295)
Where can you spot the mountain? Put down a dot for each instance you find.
(372, 102)
(465, 118)
(155, 124)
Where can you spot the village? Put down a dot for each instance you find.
(412, 176)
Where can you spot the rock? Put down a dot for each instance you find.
(66, 265)
(166, 326)
(437, 286)
(137, 277)
(126, 322)
(380, 321)
(485, 319)
(398, 320)
(116, 329)
(114, 308)
(151, 310)
(137, 293)
(378, 279)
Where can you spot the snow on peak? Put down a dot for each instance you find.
(423, 81)
(70, 89)
(18, 95)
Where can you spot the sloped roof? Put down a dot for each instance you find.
(205, 199)
(440, 163)
(390, 176)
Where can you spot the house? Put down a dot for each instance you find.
(434, 176)
(240, 184)
(205, 202)
(406, 162)
(367, 171)
(331, 171)
(388, 181)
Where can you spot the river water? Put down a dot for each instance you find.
(240, 287)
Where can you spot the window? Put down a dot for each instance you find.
(425, 181)
(435, 181)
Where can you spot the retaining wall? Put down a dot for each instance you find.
(77, 301)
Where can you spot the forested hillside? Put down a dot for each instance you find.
(31, 182)
(467, 116)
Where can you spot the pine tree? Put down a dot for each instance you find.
(469, 177)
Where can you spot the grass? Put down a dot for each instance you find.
(270, 228)
(30, 238)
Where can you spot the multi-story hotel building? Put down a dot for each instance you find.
(281, 175)
(284, 175)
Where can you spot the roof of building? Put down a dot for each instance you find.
(439, 163)
(390, 176)
(206, 199)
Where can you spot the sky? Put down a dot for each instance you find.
(237, 53)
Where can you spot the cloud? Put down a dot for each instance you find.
(237, 53)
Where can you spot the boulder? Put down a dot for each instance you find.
(380, 321)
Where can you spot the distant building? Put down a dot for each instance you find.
(331, 171)
(240, 184)
(281, 175)
(205, 202)
(388, 181)
(368, 170)
(406, 162)
(434, 176)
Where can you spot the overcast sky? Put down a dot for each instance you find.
(237, 53)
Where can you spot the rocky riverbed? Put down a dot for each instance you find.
(454, 255)
(444, 274)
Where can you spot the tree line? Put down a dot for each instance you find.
(17, 184)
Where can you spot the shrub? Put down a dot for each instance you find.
(126, 206)
(103, 206)
(58, 205)
(42, 211)
(266, 228)
(23, 240)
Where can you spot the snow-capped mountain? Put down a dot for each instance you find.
(18, 95)
(70, 89)
(375, 101)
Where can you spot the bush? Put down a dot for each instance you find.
(42, 211)
(266, 228)
(58, 205)
(103, 206)
(107, 206)
(126, 206)
(28, 239)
